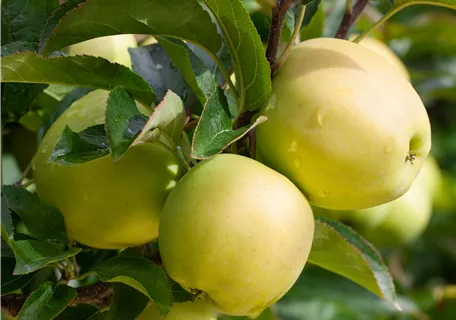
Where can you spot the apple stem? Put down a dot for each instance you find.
(350, 15)
(294, 38)
(279, 12)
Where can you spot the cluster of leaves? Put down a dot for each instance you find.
(197, 111)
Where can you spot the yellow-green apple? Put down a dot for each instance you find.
(383, 50)
(237, 232)
(405, 218)
(105, 203)
(112, 48)
(344, 126)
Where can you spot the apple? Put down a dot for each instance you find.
(405, 218)
(432, 177)
(236, 232)
(383, 50)
(112, 48)
(397, 222)
(198, 310)
(148, 41)
(105, 203)
(344, 126)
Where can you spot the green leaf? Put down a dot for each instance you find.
(168, 117)
(32, 255)
(141, 274)
(22, 20)
(98, 18)
(42, 221)
(6, 251)
(250, 64)
(311, 9)
(341, 250)
(18, 98)
(214, 131)
(156, 67)
(80, 312)
(11, 282)
(127, 303)
(7, 222)
(46, 302)
(197, 75)
(85, 71)
(54, 19)
(123, 121)
(80, 147)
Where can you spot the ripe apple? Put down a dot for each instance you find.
(405, 218)
(344, 126)
(112, 48)
(198, 310)
(106, 204)
(397, 222)
(237, 232)
(383, 50)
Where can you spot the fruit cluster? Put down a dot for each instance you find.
(345, 131)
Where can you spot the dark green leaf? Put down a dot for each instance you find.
(127, 303)
(7, 222)
(73, 148)
(341, 250)
(85, 71)
(101, 315)
(123, 121)
(98, 18)
(250, 64)
(156, 67)
(41, 220)
(311, 10)
(214, 131)
(179, 293)
(11, 282)
(47, 302)
(32, 255)
(197, 75)
(141, 274)
(5, 247)
(80, 312)
(54, 19)
(168, 117)
(16, 47)
(22, 20)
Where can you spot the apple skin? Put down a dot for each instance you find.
(112, 48)
(398, 222)
(383, 50)
(106, 204)
(198, 310)
(342, 123)
(237, 231)
(405, 218)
